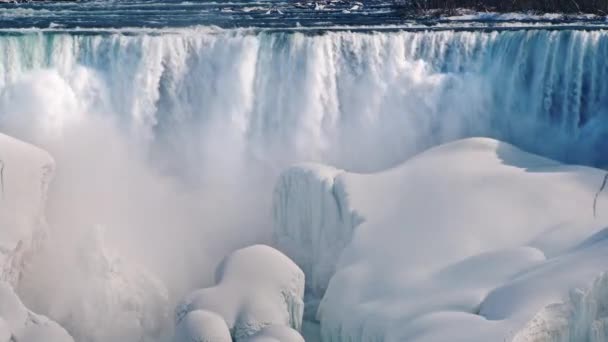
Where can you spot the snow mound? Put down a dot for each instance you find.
(466, 241)
(256, 287)
(277, 333)
(25, 173)
(202, 326)
(17, 323)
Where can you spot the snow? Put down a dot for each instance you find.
(312, 223)
(102, 290)
(86, 289)
(202, 326)
(583, 317)
(25, 173)
(467, 241)
(17, 323)
(277, 333)
(257, 286)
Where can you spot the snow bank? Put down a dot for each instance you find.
(25, 173)
(256, 287)
(467, 241)
(583, 317)
(277, 333)
(202, 326)
(86, 289)
(19, 324)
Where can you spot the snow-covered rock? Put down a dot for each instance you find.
(467, 241)
(25, 173)
(277, 333)
(202, 326)
(256, 287)
(17, 323)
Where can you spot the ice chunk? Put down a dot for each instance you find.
(256, 286)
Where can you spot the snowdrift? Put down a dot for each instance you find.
(17, 323)
(256, 287)
(25, 173)
(474, 240)
(277, 333)
(86, 289)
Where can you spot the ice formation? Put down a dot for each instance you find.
(91, 287)
(202, 326)
(25, 173)
(255, 287)
(19, 324)
(277, 333)
(581, 317)
(102, 289)
(313, 222)
(466, 241)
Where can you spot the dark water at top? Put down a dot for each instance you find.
(103, 14)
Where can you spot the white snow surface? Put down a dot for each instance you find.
(19, 324)
(277, 333)
(257, 286)
(202, 326)
(86, 289)
(474, 240)
(102, 290)
(25, 173)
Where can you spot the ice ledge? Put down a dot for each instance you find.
(313, 221)
(582, 317)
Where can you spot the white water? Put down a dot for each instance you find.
(171, 142)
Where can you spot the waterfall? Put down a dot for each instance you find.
(352, 99)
